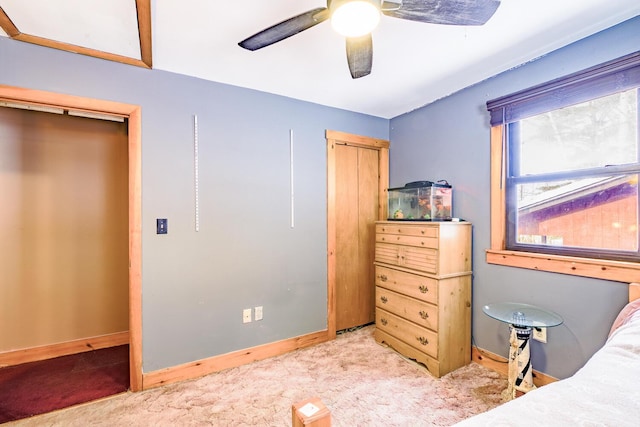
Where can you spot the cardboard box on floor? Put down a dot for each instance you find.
(310, 413)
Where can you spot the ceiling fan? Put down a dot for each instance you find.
(359, 41)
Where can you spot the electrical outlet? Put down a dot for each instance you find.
(246, 315)
(540, 334)
(258, 313)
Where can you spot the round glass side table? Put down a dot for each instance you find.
(522, 318)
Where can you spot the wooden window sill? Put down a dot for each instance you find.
(619, 271)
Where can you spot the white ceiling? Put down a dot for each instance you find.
(413, 63)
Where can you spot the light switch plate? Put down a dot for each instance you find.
(162, 226)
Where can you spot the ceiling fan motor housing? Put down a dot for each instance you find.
(354, 18)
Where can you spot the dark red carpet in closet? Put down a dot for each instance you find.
(39, 387)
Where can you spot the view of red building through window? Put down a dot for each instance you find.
(594, 213)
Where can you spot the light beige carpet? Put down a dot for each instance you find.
(361, 382)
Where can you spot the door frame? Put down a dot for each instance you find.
(341, 138)
(133, 114)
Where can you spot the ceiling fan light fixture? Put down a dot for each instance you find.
(355, 18)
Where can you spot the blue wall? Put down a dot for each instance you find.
(449, 139)
(195, 284)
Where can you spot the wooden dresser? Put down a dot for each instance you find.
(423, 291)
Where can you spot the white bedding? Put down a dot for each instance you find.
(605, 392)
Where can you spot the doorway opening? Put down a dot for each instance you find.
(132, 115)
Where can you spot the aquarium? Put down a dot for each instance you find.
(421, 201)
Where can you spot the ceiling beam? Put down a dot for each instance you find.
(144, 31)
(7, 24)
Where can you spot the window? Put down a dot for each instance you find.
(565, 167)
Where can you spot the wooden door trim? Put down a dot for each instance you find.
(133, 113)
(341, 138)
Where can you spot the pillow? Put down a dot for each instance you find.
(625, 314)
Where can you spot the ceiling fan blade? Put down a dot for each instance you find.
(360, 55)
(450, 12)
(285, 29)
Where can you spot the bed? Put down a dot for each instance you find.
(604, 392)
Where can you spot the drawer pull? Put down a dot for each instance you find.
(423, 340)
(423, 289)
(383, 299)
(424, 314)
(384, 321)
(383, 278)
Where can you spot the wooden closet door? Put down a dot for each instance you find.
(356, 211)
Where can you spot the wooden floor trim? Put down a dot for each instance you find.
(213, 364)
(500, 364)
(33, 354)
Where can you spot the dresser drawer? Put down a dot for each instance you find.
(422, 288)
(408, 229)
(421, 259)
(418, 241)
(416, 336)
(420, 312)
